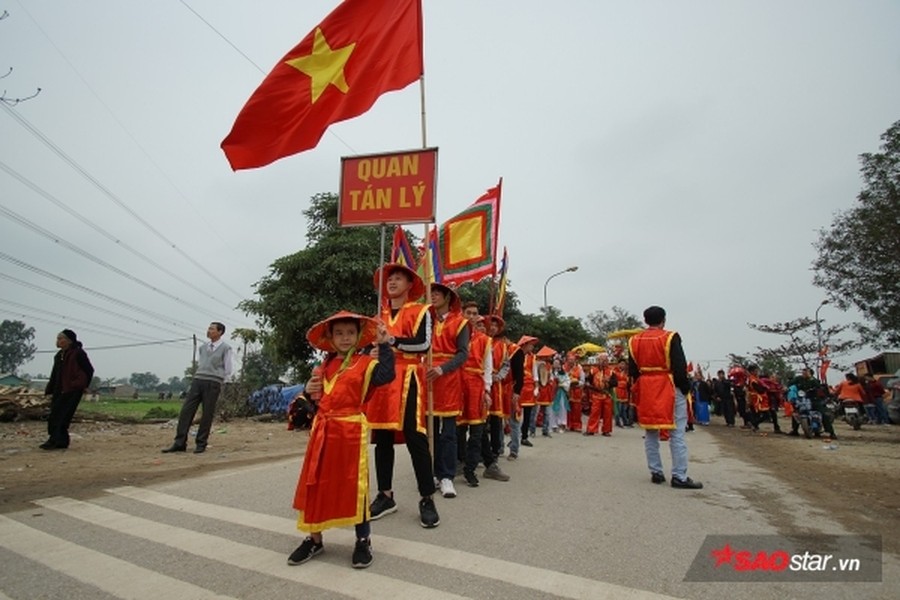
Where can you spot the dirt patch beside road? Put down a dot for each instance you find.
(854, 479)
(106, 454)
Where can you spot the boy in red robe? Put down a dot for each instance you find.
(333, 490)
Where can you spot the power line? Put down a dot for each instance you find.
(67, 320)
(109, 194)
(62, 55)
(63, 280)
(59, 204)
(95, 348)
(73, 248)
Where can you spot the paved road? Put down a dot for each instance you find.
(579, 519)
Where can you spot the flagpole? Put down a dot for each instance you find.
(429, 356)
(381, 272)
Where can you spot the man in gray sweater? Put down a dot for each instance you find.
(214, 367)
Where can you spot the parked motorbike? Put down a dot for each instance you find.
(809, 420)
(854, 413)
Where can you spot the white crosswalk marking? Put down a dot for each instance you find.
(110, 574)
(356, 584)
(544, 580)
(122, 579)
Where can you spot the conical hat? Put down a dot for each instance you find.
(416, 289)
(546, 352)
(498, 320)
(319, 335)
(526, 339)
(455, 302)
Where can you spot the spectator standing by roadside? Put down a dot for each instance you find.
(71, 375)
(214, 367)
(722, 390)
(875, 392)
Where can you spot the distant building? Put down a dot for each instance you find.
(12, 380)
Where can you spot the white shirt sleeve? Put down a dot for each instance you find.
(488, 367)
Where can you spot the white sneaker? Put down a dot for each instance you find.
(447, 489)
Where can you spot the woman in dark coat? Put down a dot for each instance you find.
(71, 375)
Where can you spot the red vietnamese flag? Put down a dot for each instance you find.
(361, 50)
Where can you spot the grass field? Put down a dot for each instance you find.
(142, 408)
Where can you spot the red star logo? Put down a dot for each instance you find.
(723, 555)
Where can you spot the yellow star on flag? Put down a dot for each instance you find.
(324, 66)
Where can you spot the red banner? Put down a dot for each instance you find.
(389, 188)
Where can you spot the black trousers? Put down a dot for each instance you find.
(416, 444)
(495, 432)
(727, 405)
(62, 410)
(203, 392)
(526, 421)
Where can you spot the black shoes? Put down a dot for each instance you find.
(362, 554)
(471, 479)
(50, 445)
(199, 449)
(306, 551)
(382, 505)
(174, 448)
(527, 442)
(428, 516)
(686, 484)
(658, 478)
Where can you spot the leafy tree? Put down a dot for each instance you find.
(16, 348)
(144, 381)
(802, 345)
(333, 272)
(600, 324)
(859, 255)
(176, 385)
(261, 369)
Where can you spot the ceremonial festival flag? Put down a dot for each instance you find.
(431, 251)
(468, 241)
(501, 287)
(361, 50)
(401, 252)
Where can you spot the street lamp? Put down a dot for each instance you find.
(569, 270)
(819, 337)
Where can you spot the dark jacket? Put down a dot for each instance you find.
(72, 371)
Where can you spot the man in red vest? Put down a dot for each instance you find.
(400, 405)
(660, 385)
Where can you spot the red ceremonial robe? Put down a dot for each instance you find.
(333, 490)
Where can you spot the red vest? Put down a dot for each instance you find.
(447, 389)
(387, 405)
(654, 390)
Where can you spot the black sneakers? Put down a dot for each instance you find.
(382, 505)
(428, 515)
(362, 554)
(686, 484)
(657, 478)
(471, 478)
(306, 551)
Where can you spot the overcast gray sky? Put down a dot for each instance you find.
(679, 153)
